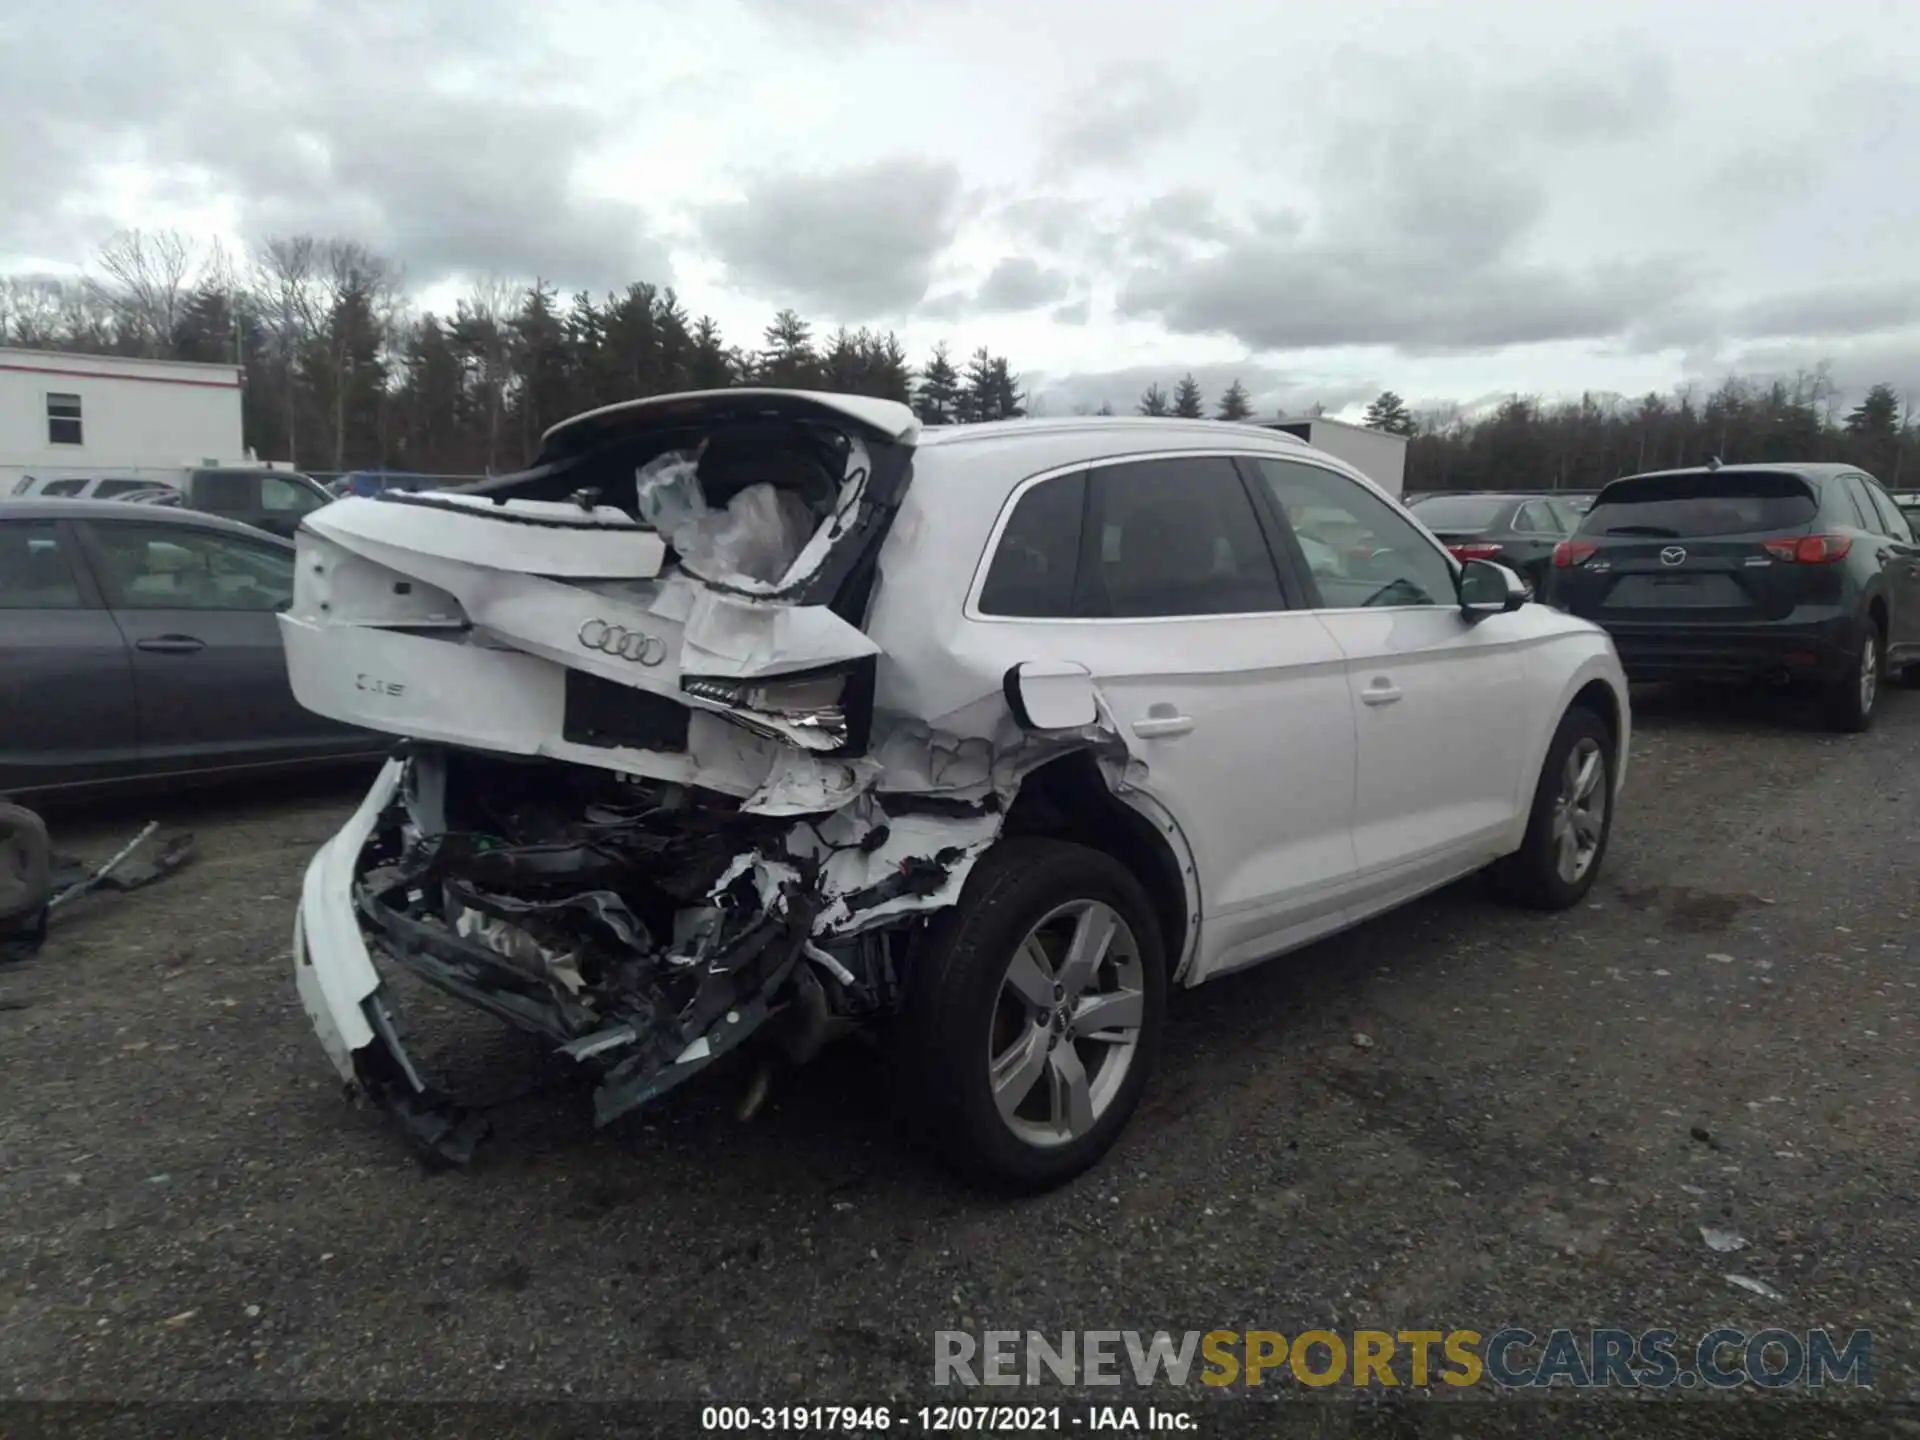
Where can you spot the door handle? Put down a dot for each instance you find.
(1380, 692)
(1155, 727)
(170, 644)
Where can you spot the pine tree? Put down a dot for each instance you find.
(1153, 400)
(936, 400)
(1389, 413)
(1187, 403)
(1878, 416)
(1234, 404)
(788, 360)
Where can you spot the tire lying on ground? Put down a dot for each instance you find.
(26, 875)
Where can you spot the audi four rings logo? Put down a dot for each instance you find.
(598, 635)
(1673, 555)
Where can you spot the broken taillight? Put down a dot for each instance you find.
(1569, 553)
(812, 700)
(1809, 549)
(1474, 550)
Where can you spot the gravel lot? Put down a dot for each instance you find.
(196, 1212)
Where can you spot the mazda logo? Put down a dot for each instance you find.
(1673, 555)
(608, 639)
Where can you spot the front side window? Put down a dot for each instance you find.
(1360, 551)
(280, 496)
(226, 492)
(1035, 560)
(63, 419)
(1170, 537)
(34, 570)
(165, 567)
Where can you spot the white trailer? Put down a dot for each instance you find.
(99, 416)
(1377, 454)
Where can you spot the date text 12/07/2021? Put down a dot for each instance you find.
(950, 1419)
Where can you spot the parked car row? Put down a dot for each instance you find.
(141, 643)
(270, 500)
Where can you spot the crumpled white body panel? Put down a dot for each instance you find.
(419, 622)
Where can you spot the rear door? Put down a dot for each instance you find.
(1158, 576)
(199, 608)
(1439, 705)
(66, 681)
(1690, 548)
(1900, 564)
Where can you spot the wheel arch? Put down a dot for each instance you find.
(1070, 799)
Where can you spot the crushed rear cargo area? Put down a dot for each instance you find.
(642, 929)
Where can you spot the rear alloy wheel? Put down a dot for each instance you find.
(1033, 1014)
(1571, 819)
(1855, 696)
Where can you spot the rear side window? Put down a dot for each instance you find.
(1672, 507)
(1534, 519)
(64, 487)
(1859, 504)
(107, 489)
(1892, 521)
(1173, 537)
(1033, 565)
(34, 570)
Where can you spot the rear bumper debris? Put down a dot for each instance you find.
(644, 934)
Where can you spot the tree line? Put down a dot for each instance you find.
(341, 372)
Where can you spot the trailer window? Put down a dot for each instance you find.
(63, 419)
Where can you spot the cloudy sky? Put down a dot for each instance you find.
(1322, 198)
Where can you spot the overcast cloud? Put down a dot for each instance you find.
(1322, 199)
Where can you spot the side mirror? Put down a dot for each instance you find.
(1489, 589)
(1051, 695)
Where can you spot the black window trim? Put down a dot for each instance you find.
(73, 547)
(1297, 558)
(1292, 592)
(87, 533)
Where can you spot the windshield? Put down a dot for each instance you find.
(1458, 512)
(1669, 507)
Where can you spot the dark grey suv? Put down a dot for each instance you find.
(139, 643)
(1806, 573)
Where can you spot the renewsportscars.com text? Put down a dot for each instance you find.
(1511, 1358)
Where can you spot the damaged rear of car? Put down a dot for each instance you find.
(634, 806)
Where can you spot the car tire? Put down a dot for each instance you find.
(1540, 874)
(988, 1010)
(1851, 702)
(26, 874)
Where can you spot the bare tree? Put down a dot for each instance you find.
(32, 311)
(482, 327)
(284, 277)
(149, 278)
